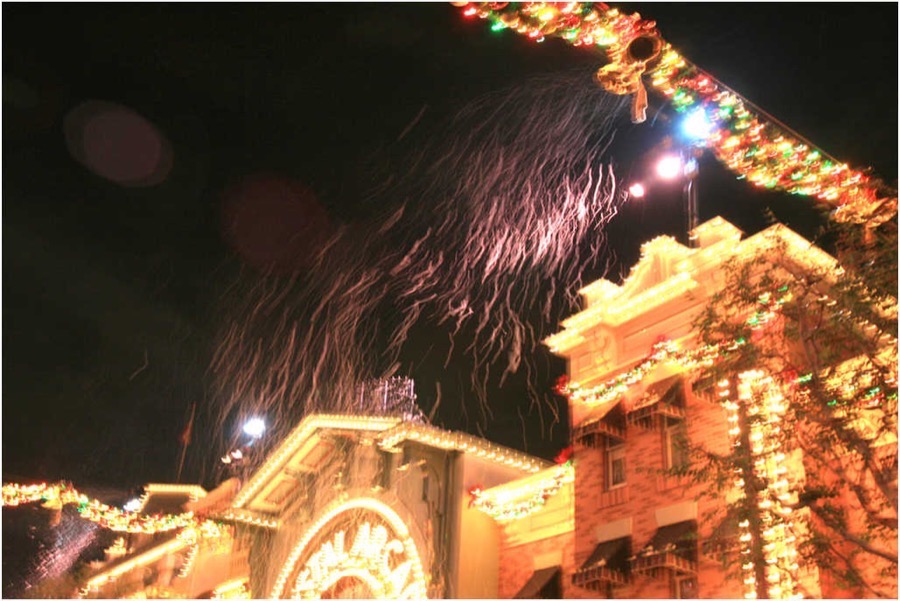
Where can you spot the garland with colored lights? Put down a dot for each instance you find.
(54, 496)
(193, 531)
(748, 141)
(523, 501)
(666, 350)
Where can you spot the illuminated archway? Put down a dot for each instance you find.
(358, 548)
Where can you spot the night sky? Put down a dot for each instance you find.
(117, 275)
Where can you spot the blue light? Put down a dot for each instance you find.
(697, 125)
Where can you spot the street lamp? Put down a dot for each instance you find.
(636, 190)
(670, 167)
(694, 129)
(697, 126)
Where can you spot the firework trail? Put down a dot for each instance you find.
(483, 238)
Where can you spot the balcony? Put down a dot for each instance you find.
(606, 566)
(666, 560)
(669, 551)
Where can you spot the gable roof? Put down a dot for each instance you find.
(305, 448)
(668, 271)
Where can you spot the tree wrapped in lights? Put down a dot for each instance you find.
(818, 474)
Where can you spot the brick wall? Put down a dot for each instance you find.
(518, 563)
(646, 490)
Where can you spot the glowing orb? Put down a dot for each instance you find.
(669, 167)
(274, 222)
(697, 125)
(118, 144)
(637, 190)
(255, 427)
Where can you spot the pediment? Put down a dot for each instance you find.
(310, 450)
(672, 279)
(666, 270)
(305, 451)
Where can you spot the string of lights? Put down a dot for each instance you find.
(524, 499)
(749, 141)
(762, 396)
(56, 495)
(383, 554)
(667, 351)
(113, 518)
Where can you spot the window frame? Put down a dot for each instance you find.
(615, 451)
(671, 433)
(678, 582)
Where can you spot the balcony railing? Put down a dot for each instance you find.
(593, 578)
(667, 560)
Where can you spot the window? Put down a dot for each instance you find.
(685, 587)
(615, 463)
(675, 445)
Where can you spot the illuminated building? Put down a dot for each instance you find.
(366, 506)
(372, 506)
(346, 505)
(633, 356)
(185, 562)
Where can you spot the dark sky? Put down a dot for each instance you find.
(113, 292)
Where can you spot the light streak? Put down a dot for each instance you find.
(488, 219)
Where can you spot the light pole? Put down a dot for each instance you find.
(240, 459)
(691, 173)
(673, 166)
(696, 128)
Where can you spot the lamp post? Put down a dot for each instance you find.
(695, 129)
(674, 166)
(691, 171)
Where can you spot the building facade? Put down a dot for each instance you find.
(362, 506)
(645, 525)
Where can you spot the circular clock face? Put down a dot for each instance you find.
(360, 549)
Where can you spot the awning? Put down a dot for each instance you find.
(665, 390)
(608, 563)
(672, 547)
(665, 397)
(543, 584)
(601, 421)
(678, 537)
